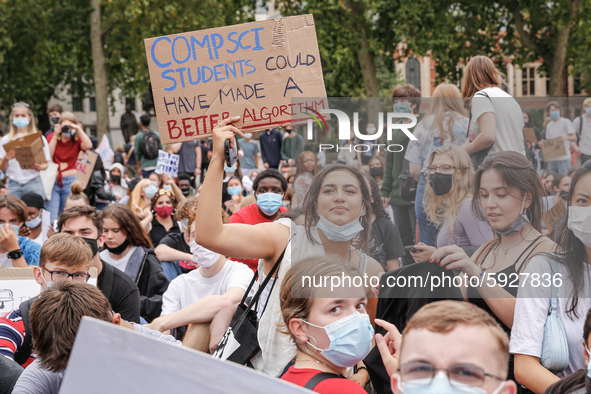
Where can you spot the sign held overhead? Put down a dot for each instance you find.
(252, 70)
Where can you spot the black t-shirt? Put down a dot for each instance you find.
(176, 241)
(158, 232)
(385, 243)
(9, 374)
(124, 296)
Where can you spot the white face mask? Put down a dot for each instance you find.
(579, 221)
(440, 385)
(248, 135)
(371, 130)
(202, 256)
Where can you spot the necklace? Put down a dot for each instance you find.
(518, 242)
(319, 362)
(349, 254)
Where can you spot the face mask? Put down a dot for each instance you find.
(371, 130)
(119, 249)
(517, 225)
(555, 114)
(33, 223)
(588, 110)
(579, 222)
(269, 203)
(48, 284)
(248, 136)
(93, 245)
(185, 223)
(402, 108)
(167, 187)
(150, 191)
(343, 233)
(234, 190)
(288, 131)
(164, 211)
(202, 256)
(55, 120)
(69, 134)
(116, 178)
(350, 340)
(563, 194)
(155, 183)
(376, 171)
(186, 191)
(20, 123)
(230, 170)
(15, 227)
(440, 385)
(440, 183)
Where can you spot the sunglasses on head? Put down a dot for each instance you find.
(20, 104)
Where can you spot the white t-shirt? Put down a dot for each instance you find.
(508, 116)
(554, 129)
(45, 227)
(585, 136)
(14, 172)
(191, 287)
(531, 312)
(121, 263)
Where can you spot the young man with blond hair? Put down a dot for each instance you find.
(447, 346)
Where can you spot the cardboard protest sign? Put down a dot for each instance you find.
(140, 363)
(28, 150)
(18, 285)
(530, 135)
(553, 214)
(252, 70)
(553, 149)
(85, 166)
(167, 164)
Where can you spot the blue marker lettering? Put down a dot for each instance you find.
(234, 41)
(201, 44)
(156, 62)
(203, 68)
(240, 39)
(250, 65)
(215, 44)
(241, 70)
(180, 71)
(258, 46)
(230, 70)
(174, 50)
(164, 76)
(198, 76)
(216, 71)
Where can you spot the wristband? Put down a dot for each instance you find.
(15, 254)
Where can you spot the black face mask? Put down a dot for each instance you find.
(288, 131)
(55, 120)
(186, 191)
(119, 249)
(116, 178)
(376, 171)
(93, 245)
(440, 183)
(563, 194)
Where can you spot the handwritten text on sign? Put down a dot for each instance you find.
(167, 164)
(252, 70)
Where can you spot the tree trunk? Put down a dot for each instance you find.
(370, 79)
(558, 66)
(100, 70)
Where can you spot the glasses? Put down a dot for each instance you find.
(423, 374)
(19, 104)
(444, 168)
(63, 275)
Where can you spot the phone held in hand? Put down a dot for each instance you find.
(411, 248)
(231, 153)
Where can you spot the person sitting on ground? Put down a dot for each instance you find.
(195, 298)
(55, 319)
(15, 250)
(185, 185)
(117, 181)
(62, 256)
(77, 197)
(163, 215)
(120, 290)
(128, 248)
(235, 190)
(435, 352)
(38, 226)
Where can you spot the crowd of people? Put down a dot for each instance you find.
(186, 259)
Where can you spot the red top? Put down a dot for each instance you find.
(66, 152)
(12, 334)
(250, 214)
(329, 386)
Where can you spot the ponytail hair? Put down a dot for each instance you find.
(77, 193)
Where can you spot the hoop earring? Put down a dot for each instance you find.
(306, 345)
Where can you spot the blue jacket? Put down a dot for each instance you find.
(271, 146)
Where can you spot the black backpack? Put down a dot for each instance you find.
(24, 352)
(408, 185)
(151, 145)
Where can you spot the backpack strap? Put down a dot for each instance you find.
(24, 352)
(320, 377)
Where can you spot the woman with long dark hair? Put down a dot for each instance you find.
(572, 280)
(128, 248)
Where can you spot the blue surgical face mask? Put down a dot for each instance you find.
(350, 340)
(230, 170)
(16, 227)
(269, 203)
(155, 183)
(337, 233)
(402, 108)
(20, 123)
(234, 190)
(555, 114)
(33, 223)
(70, 133)
(588, 110)
(440, 385)
(150, 191)
(167, 187)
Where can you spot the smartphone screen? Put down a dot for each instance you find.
(231, 153)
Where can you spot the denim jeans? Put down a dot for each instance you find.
(56, 205)
(171, 269)
(16, 189)
(559, 166)
(427, 230)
